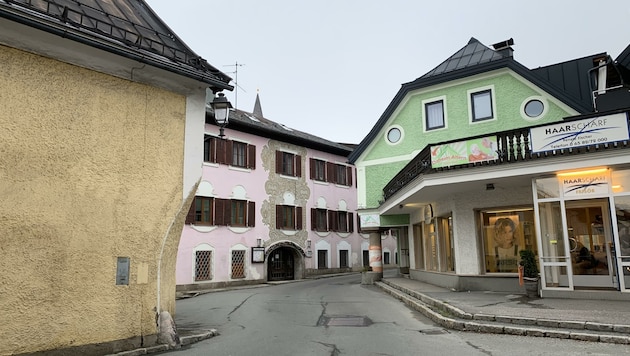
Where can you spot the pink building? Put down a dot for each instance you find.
(273, 204)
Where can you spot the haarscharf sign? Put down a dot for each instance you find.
(598, 130)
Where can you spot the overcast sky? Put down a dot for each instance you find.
(331, 67)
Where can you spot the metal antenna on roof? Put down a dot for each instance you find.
(236, 65)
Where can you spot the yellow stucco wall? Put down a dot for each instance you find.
(90, 169)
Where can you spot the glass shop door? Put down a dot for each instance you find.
(590, 241)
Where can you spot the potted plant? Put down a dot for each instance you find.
(530, 272)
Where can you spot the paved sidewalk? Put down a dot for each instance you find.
(504, 313)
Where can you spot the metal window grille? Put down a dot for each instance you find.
(203, 265)
(238, 264)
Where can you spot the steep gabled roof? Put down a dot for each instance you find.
(125, 27)
(247, 122)
(474, 58)
(472, 54)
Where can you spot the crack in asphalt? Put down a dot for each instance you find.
(334, 352)
(238, 306)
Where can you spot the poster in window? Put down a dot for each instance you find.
(503, 241)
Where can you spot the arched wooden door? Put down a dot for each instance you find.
(281, 265)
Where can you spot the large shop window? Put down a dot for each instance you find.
(505, 233)
(436, 250)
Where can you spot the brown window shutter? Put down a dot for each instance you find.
(311, 166)
(331, 173)
(279, 216)
(251, 156)
(313, 219)
(298, 218)
(349, 176)
(298, 165)
(190, 217)
(221, 159)
(251, 214)
(278, 162)
(227, 212)
(219, 219)
(350, 222)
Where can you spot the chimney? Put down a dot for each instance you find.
(504, 48)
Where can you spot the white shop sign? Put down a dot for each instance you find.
(597, 130)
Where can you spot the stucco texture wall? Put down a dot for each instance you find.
(509, 91)
(91, 169)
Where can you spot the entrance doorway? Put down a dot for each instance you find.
(281, 265)
(590, 240)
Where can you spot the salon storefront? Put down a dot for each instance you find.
(569, 204)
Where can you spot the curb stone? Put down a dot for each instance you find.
(184, 341)
(518, 325)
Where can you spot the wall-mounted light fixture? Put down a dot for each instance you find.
(221, 106)
(308, 244)
(259, 242)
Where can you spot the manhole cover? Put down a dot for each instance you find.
(344, 321)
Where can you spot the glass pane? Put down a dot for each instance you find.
(534, 108)
(504, 234)
(587, 241)
(547, 188)
(556, 276)
(482, 105)
(435, 115)
(621, 181)
(551, 230)
(622, 209)
(394, 135)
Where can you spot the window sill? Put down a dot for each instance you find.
(240, 169)
(203, 228)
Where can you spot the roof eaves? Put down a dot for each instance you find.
(423, 82)
(54, 26)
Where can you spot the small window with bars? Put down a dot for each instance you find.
(238, 264)
(203, 266)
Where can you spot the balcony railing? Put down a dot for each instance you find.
(513, 146)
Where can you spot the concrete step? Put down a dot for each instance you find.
(451, 317)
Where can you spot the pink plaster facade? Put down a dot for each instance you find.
(210, 254)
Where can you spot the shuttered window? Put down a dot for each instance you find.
(288, 217)
(288, 164)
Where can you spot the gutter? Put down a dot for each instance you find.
(65, 33)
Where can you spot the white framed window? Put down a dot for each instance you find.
(434, 113)
(534, 108)
(481, 104)
(202, 268)
(394, 135)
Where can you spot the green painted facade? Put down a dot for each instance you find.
(510, 92)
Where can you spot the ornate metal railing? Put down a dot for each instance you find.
(513, 146)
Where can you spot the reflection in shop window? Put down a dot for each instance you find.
(504, 234)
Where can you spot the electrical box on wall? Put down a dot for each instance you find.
(122, 271)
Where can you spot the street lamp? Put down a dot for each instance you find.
(221, 106)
